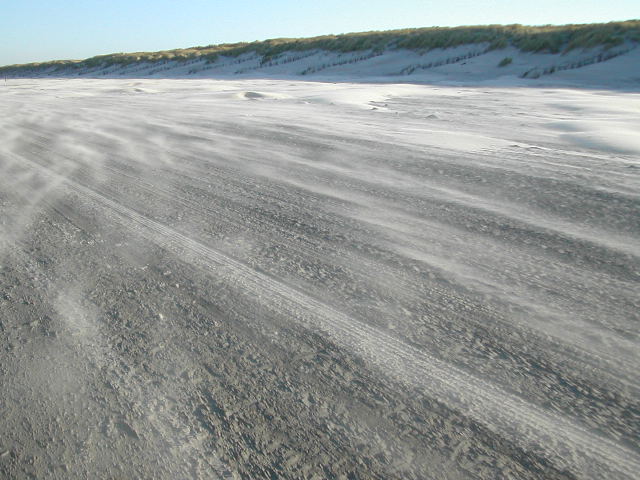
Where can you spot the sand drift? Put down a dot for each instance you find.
(285, 279)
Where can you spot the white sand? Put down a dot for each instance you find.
(516, 200)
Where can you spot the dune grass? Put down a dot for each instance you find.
(545, 39)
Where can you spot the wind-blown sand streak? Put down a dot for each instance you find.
(467, 259)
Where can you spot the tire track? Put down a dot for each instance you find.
(564, 442)
(82, 173)
(363, 265)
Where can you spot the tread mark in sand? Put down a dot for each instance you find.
(524, 423)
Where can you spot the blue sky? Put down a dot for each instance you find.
(38, 30)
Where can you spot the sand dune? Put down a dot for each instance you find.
(470, 64)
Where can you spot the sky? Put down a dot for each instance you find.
(39, 30)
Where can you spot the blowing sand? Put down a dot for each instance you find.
(275, 278)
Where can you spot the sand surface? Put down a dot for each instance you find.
(285, 279)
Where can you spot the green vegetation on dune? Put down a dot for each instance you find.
(542, 39)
